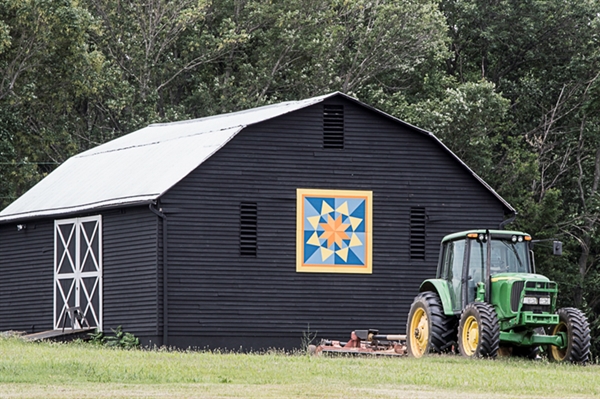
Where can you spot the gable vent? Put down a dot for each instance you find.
(248, 222)
(418, 218)
(333, 126)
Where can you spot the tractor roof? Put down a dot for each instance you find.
(495, 234)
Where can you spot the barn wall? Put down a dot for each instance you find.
(27, 277)
(219, 299)
(131, 272)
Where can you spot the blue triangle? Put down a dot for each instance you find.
(315, 203)
(309, 250)
(338, 260)
(316, 259)
(354, 203)
(359, 212)
(353, 259)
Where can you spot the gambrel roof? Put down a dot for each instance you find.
(141, 166)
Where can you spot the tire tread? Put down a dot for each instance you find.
(579, 340)
(489, 329)
(443, 327)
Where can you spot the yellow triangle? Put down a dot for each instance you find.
(314, 240)
(355, 222)
(325, 209)
(343, 209)
(354, 241)
(325, 253)
(314, 221)
(343, 253)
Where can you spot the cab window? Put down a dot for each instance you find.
(454, 255)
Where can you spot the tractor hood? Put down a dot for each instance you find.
(509, 292)
(518, 277)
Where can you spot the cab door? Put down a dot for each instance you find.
(452, 271)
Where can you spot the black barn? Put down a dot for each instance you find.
(246, 229)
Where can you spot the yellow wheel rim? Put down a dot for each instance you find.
(556, 352)
(419, 327)
(470, 336)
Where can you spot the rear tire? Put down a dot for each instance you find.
(428, 329)
(573, 322)
(479, 331)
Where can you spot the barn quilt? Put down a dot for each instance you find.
(334, 231)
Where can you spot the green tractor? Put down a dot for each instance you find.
(488, 301)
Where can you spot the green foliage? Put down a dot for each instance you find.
(97, 338)
(119, 339)
(470, 119)
(123, 340)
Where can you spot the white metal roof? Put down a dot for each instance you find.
(141, 166)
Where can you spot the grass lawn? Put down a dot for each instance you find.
(45, 370)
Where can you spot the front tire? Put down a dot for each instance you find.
(428, 329)
(479, 331)
(574, 323)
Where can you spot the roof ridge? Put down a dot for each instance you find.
(91, 154)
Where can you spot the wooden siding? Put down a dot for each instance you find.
(219, 298)
(131, 274)
(27, 277)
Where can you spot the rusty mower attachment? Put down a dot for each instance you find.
(363, 342)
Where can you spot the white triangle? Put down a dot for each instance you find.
(355, 222)
(342, 253)
(314, 240)
(314, 221)
(355, 241)
(325, 253)
(343, 209)
(326, 208)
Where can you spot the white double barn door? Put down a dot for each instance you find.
(78, 270)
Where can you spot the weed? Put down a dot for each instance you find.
(97, 338)
(120, 339)
(307, 339)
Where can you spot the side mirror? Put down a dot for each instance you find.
(557, 248)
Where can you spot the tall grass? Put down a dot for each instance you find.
(28, 369)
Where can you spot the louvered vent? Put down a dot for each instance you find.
(248, 219)
(515, 295)
(417, 232)
(333, 126)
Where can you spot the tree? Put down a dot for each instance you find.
(45, 62)
(304, 48)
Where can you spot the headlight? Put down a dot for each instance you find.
(545, 301)
(530, 300)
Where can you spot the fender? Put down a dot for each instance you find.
(441, 288)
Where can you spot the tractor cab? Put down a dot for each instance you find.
(464, 257)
